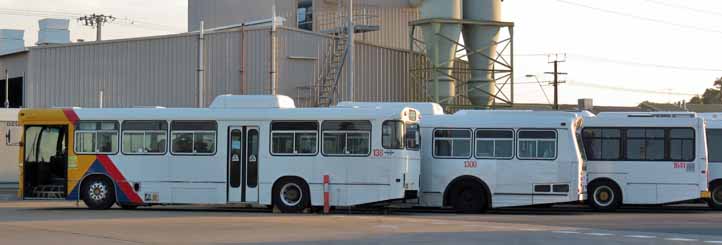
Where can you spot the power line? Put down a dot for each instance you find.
(678, 6)
(143, 24)
(625, 89)
(643, 18)
(633, 63)
(660, 66)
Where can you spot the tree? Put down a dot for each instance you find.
(710, 95)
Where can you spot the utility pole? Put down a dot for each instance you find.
(556, 74)
(97, 21)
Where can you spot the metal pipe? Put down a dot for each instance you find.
(201, 44)
(100, 99)
(273, 53)
(351, 29)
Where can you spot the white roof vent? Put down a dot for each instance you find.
(53, 31)
(252, 101)
(11, 41)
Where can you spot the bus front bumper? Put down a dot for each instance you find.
(705, 195)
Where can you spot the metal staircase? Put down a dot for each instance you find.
(324, 91)
(335, 60)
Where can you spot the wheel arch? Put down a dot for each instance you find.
(97, 174)
(462, 179)
(291, 177)
(714, 183)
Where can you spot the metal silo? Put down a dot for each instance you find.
(440, 48)
(481, 41)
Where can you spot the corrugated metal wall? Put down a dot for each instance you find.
(162, 70)
(130, 72)
(159, 71)
(215, 13)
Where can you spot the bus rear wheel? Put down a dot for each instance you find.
(98, 192)
(291, 195)
(604, 196)
(715, 200)
(468, 197)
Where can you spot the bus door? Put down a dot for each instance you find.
(243, 159)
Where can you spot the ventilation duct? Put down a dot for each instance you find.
(440, 40)
(481, 41)
(53, 31)
(11, 41)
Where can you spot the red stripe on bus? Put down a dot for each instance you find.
(123, 184)
(71, 115)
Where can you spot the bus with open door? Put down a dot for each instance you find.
(242, 149)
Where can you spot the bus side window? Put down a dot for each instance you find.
(452, 143)
(96, 137)
(714, 138)
(681, 144)
(144, 137)
(294, 138)
(537, 144)
(193, 137)
(392, 134)
(491, 144)
(346, 138)
(602, 143)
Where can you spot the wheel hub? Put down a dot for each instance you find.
(98, 191)
(603, 196)
(291, 194)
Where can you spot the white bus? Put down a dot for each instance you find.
(242, 149)
(474, 160)
(714, 152)
(644, 158)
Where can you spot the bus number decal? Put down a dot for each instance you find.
(378, 153)
(470, 164)
(680, 165)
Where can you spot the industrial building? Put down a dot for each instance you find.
(297, 48)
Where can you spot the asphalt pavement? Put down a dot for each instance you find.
(46, 222)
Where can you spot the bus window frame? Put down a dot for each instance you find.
(215, 133)
(513, 143)
(556, 143)
(167, 137)
(116, 131)
(272, 132)
(667, 139)
(471, 143)
(346, 132)
(402, 144)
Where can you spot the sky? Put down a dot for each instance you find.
(618, 52)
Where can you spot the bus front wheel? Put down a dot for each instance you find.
(468, 197)
(604, 196)
(98, 192)
(715, 200)
(291, 195)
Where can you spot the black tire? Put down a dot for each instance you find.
(128, 207)
(468, 197)
(291, 195)
(604, 196)
(98, 192)
(715, 200)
